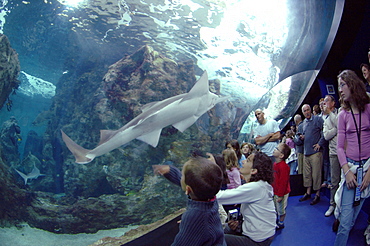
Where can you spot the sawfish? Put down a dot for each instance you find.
(180, 111)
(34, 174)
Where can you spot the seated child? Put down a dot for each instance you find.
(201, 180)
(281, 183)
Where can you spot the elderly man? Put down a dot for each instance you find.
(330, 134)
(299, 144)
(266, 134)
(312, 139)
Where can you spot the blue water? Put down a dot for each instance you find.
(262, 54)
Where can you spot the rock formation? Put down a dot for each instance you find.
(9, 70)
(10, 138)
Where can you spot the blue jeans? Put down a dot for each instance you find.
(348, 213)
(293, 167)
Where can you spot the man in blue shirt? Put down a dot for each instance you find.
(312, 138)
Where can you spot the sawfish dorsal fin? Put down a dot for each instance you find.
(200, 88)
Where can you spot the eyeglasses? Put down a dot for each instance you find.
(278, 150)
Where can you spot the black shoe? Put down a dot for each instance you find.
(315, 200)
(305, 197)
(335, 225)
(280, 226)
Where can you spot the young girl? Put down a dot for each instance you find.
(292, 159)
(257, 206)
(219, 160)
(232, 168)
(234, 144)
(246, 149)
(353, 141)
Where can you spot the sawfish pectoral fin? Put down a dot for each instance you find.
(151, 138)
(78, 152)
(24, 176)
(185, 124)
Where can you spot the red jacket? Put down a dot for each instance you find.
(281, 183)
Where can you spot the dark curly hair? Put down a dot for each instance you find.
(263, 164)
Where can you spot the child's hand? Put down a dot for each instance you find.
(161, 169)
(279, 199)
(233, 224)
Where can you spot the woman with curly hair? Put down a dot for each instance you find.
(353, 141)
(256, 199)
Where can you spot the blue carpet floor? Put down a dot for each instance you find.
(307, 225)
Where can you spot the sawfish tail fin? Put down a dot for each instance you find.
(78, 152)
(24, 176)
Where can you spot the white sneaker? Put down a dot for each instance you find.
(367, 235)
(329, 211)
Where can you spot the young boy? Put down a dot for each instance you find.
(281, 183)
(201, 179)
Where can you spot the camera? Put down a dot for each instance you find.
(233, 214)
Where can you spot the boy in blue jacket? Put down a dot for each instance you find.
(201, 179)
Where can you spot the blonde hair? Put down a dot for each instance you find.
(230, 158)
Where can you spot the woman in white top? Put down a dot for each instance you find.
(256, 199)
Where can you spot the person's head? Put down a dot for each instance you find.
(297, 119)
(201, 178)
(293, 128)
(259, 166)
(316, 109)
(282, 151)
(230, 158)
(352, 91)
(221, 163)
(321, 104)
(234, 144)
(247, 149)
(306, 110)
(260, 116)
(289, 134)
(365, 69)
(329, 104)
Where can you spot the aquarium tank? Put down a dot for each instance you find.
(77, 67)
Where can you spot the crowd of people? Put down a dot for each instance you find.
(328, 147)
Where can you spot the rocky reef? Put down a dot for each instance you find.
(118, 188)
(9, 70)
